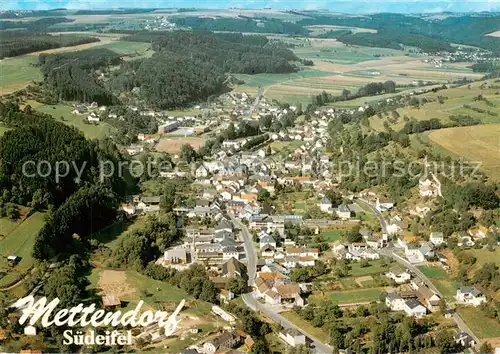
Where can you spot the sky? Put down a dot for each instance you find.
(353, 6)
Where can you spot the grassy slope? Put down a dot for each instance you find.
(17, 72)
(19, 241)
(90, 131)
(480, 143)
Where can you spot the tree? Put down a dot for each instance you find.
(237, 285)
(334, 196)
(485, 348)
(12, 211)
(187, 153)
(167, 200)
(353, 235)
(263, 195)
(445, 341)
(389, 86)
(209, 292)
(299, 274)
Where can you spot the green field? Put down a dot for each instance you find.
(271, 79)
(91, 131)
(18, 241)
(433, 272)
(141, 49)
(362, 295)
(331, 236)
(317, 332)
(343, 54)
(441, 280)
(479, 323)
(17, 72)
(375, 267)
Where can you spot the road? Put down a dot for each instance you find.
(390, 252)
(255, 305)
(249, 249)
(378, 214)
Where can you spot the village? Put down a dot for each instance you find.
(235, 233)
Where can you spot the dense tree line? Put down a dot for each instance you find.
(40, 25)
(18, 43)
(371, 89)
(261, 25)
(145, 245)
(395, 40)
(67, 229)
(70, 74)
(30, 155)
(191, 66)
(443, 30)
(476, 194)
(420, 126)
(193, 280)
(485, 67)
(335, 33)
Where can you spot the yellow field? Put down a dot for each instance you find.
(453, 105)
(479, 143)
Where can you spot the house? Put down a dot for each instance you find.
(395, 225)
(384, 204)
(267, 240)
(414, 308)
(470, 296)
(176, 256)
(427, 188)
(233, 268)
(224, 340)
(343, 211)
(428, 298)
(465, 340)
(292, 337)
(418, 255)
(267, 251)
(399, 277)
(128, 208)
(394, 302)
(464, 240)
(436, 238)
(325, 205)
(201, 172)
(12, 259)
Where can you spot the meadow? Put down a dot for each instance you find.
(482, 326)
(18, 238)
(356, 296)
(479, 143)
(91, 131)
(17, 72)
(441, 280)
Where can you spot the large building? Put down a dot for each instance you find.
(168, 127)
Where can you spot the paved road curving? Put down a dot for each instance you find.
(255, 305)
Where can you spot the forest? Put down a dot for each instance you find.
(37, 138)
(389, 38)
(18, 43)
(242, 24)
(40, 25)
(443, 30)
(69, 74)
(191, 66)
